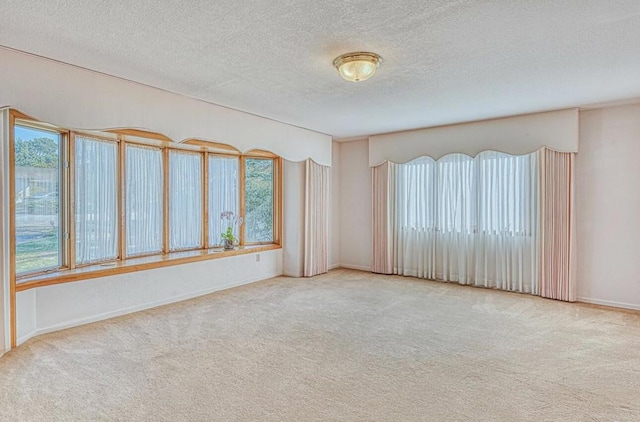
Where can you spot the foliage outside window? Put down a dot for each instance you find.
(37, 199)
(259, 179)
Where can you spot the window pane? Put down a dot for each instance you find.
(259, 200)
(144, 190)
(185, 200)
(96, 172)
(37, 188)
(223, 196)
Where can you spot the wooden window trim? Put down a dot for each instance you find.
(136, 264)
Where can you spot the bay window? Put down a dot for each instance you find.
(97, 203)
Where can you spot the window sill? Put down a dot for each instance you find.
(135, 264)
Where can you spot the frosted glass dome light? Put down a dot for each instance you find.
(357, 67)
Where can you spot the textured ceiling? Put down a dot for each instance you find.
(444, 61)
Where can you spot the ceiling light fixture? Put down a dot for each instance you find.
(357, 67)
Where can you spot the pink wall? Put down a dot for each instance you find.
(608, 206)
(355, 205)
(334, 215)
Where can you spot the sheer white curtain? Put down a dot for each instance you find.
(470, 220)
(415, 225)
(96, 200)
(144, 200)
(508, 220)
(185, 200)
(224, 195)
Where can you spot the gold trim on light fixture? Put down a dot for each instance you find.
(357, 67)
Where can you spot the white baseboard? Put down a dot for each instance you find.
(142, 307)
(611, 303)
(334, 266)
(355, 267)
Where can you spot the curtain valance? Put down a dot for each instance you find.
(556, 130)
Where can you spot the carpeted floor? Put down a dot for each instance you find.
(344, 346)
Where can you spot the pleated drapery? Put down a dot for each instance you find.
(558, 234)
(496, 220)
(316, 219)
(383, 217)
(462, 219)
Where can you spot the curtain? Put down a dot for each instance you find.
(558, 235)
(185, 200)
(414, 228)
(507, 220)
(383, 217)
(96, 200)
(224, 195)
(316, 215)
(144, 200)
(468, 220)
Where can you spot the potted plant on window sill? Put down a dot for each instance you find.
(229, 241)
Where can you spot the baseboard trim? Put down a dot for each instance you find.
(143, 307)
(334, 266)
(610, 303)
(355, 267)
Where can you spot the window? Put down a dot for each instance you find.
(38, 223)
(224, 195)
(469, 220)
(96, 198)
(418, 187)
(185, 200)
(89, 199)
(489, 194)
(259, 177)
(144, 200)
(506, 183)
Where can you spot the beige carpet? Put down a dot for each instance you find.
(344, 346)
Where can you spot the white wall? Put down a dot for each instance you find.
(52, 308)
(76, 98)
(334, 214)
(355, 206)
(608, 207)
